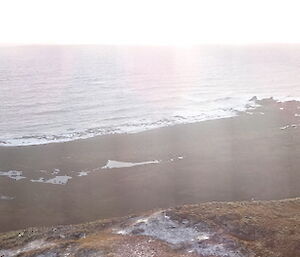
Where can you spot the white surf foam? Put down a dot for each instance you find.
(119, 164)
(7, 198)
(13, 174)
(82, 173)
(38, 180)
(127, 97)
(227, 108)
(57, 180)
(55, 171)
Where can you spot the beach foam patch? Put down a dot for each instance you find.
(289, 126)
(38, 180)
(111, 164)
(57, 180)
(82, 173)
(284, 127)
(13, 174)
(55, 171)
(7, 198)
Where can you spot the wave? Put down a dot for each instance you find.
(229, 107)
(105, 92)
(138, 125)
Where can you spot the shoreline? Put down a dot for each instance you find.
(7, 145)
(252, 155)
(253, 104)
(249, 105)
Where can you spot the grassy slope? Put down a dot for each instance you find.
(266, 228)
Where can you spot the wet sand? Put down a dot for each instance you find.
(251, 156)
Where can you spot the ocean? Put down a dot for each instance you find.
(54, 94)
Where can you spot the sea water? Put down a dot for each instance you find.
(62, 93)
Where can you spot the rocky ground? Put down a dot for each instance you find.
(235, 229)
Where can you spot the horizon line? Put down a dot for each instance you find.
(147, 45)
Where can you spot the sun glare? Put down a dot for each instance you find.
(148, 22)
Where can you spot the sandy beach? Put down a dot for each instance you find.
(149, 129)
(253, 156)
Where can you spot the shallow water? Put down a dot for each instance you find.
(62, 93)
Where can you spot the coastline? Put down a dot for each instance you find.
(251, 156)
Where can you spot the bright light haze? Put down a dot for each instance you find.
(175, 22)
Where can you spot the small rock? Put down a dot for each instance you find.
(62, 236)
(254, 98)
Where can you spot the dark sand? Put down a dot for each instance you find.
(231, 159)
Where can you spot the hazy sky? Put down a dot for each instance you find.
(149, 22)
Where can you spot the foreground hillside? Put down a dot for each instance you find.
(260, 228)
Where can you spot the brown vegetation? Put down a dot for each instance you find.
(259, 228)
